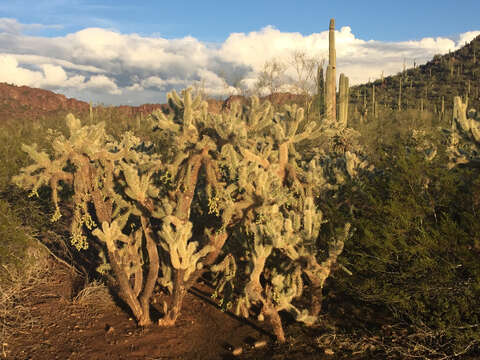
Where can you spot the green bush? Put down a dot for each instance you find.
(416, 247)
(14, 239)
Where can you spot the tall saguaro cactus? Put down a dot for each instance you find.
(331, 75)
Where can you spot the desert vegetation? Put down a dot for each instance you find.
(347, 220)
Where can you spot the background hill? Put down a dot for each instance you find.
(26, 103)
(445, 76)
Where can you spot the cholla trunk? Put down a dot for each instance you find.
(179, 292)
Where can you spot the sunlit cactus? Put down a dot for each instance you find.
(464, 148)
(256, 170)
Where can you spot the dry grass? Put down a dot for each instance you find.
(95, 295)
(15, 315)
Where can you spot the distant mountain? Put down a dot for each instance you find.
(453, 74)
(24, 103)
(17, 102)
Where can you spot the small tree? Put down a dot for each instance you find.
(271, 77)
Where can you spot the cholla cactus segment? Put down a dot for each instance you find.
(175, 237)
(354, 164)
(423, 144)
(166, 278)
(110, 233)
(129, 253)
(228, 269)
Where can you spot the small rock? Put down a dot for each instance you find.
(329, 352)
(260, 343)
(109, 329)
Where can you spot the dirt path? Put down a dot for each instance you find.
(64, 329)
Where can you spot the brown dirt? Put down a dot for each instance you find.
(65, 329)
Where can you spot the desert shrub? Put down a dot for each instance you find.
(14, 239)
(415, 251)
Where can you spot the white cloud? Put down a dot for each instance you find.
(39, 60)
(101, 82)
(120, 68)
(12, 26)
(10, 72)
(467, 37)
(51, 77)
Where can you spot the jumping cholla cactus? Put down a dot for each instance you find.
(277, 184)
(257, 170)
(464, 146)
(105, 174)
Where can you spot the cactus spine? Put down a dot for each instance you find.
(331, 91)
(343, 100)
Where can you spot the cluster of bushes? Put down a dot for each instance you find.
(415, 249)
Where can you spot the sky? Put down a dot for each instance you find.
(126, 52)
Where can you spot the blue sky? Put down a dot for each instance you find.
(384, 20)
(118, 52)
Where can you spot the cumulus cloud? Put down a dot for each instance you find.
(51, 76)
(101, 65)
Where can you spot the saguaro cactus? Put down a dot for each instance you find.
(343, 100)
(320, 89)
(374, 103)
(400, 95)
(331, 92)
(442, 111)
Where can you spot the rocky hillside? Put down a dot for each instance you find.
(445, 76)
(17, 102)
(23, 102)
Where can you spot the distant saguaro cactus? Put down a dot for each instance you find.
(400, 95)
(320, 89)
(343, 100)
